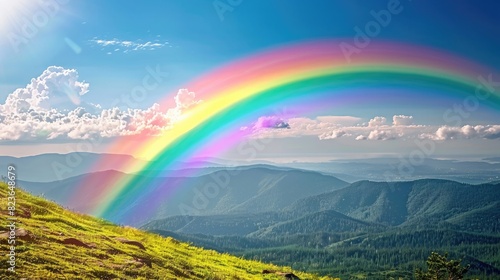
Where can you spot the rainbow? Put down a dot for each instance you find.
(307, 76)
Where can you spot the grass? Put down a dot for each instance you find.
(41, 254)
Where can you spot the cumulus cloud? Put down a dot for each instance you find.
(337, 133)
(465, 132)
(403, 127)
(360, 137)
(377, 121)
(381, 135)
(185, 98)
(55, 87)
(402, 120)
(52, 107)
(125, 46)
(336, 127)
(300, 126)
(46, 109)
(376, 129)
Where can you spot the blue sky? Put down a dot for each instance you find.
(199, 40)
(112, 44)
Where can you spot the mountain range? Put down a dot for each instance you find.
(473, 171)
(54, 167)
(245, 189)
(376, 226)
(51, 242)
(316, 222)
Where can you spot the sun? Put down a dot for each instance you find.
(13, 13)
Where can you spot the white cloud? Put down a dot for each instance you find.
(337, 133)
(56, 86)
(51, 107)
(334, 127)
(464, 132)
(377, 121)
(125, 46)
(402, 120)
(340, 120)
(185, 98)
(376, 129)
(45, 110)
(302, 126)
(381, 135)
(360, 137)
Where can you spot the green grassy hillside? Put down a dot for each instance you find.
(55, 243)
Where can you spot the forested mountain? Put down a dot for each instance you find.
(415, 202)
(377, 228)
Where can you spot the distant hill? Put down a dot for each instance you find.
(396, 203)
(203, 168)
(263, 189)
(61, 191)
(362, 206)
(54, 243)
(492, 159)
(386, 169)
(255, 189)
(323, 221)
(53, 167)
(246, 189)
(368, 226)
(235, 224)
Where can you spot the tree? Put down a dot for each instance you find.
(440, 268)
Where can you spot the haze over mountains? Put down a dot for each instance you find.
(249, 189)
(401, 169)
(259, 188)
(54, 167)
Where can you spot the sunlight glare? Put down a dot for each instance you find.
(13, 13)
